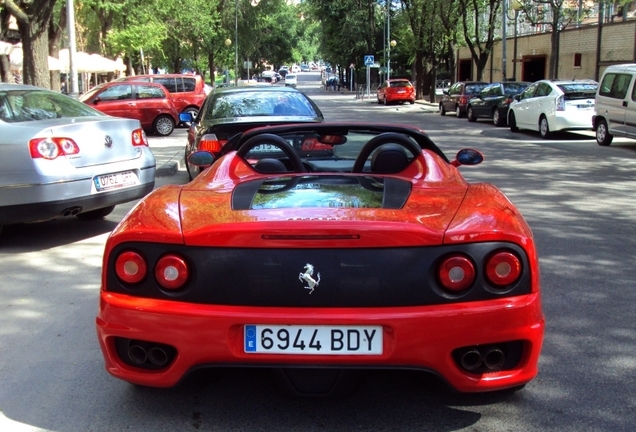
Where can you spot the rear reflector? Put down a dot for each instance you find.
(503, 268)
(130, 267)
(456, 273)
(171, 272)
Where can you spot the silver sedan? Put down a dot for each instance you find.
(60, 157)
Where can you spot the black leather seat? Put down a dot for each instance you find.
(389, 159)
(270, 165)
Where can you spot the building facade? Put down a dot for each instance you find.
(584, 53)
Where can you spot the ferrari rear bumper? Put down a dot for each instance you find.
(430, 338)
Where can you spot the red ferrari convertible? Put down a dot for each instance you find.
(324, 247)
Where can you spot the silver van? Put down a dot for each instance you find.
(615, 108)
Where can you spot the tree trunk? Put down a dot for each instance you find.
(212, 68)
(419, 74)
(5, 67)
(35, 67)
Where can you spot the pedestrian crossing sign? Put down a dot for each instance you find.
(368, 60)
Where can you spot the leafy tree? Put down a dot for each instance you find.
(33, 18)
(477, 14)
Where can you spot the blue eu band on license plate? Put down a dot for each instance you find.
(316, 340)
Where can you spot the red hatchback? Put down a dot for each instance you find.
(149, 103)
(396, 90)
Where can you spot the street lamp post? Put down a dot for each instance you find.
(227, 42)
(235, 43)
(392, 44)
(516, 7)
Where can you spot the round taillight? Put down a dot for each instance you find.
(130, 267)
(503, 268)
(171, 272)
(456, 273)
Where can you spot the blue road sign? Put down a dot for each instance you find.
(368, 60)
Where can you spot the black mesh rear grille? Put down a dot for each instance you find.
(348, 277)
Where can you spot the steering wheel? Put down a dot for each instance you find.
(297, 164)
(380, 140)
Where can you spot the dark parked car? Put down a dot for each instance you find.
(150, 103)
(229, 111)
(493, 101)
(456, 98)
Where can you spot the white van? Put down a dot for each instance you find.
(615, 108)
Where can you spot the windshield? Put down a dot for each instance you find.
(30, 105)
(259, 103)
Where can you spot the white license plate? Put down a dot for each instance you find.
(115, 181)
(585, 106)
(317, 340)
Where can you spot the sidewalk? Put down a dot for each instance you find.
(169, 154)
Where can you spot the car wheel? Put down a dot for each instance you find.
(194, 112)
(603, 137)
(512, 122)
(163, 125)
(544, 129)
(442, 110)
(458, 112)
(96, 214)
(469, 114)
(497, 120)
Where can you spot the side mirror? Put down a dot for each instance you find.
(201, 158)
(445, 92)
(517, 97)
(185, 118)
(96, 100)
(468, 157)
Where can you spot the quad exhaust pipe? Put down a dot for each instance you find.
(490, 358)
(141, 353)
(72, 211)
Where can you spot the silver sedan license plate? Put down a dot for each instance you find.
(313, 339)
(115, 181)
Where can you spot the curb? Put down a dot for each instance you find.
(167, 169)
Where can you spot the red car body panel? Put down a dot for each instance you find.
(396, 90)
(206, 334)
(144, 110)
(442, 209)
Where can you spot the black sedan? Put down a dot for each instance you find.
(493, 101)
(229, 111)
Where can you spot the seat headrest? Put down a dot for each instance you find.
(270, 165)
(389, 159)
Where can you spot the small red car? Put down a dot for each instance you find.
(396, 90)
(323, 247)
(188, 91)
(149, 103)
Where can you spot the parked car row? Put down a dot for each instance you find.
(544, 106)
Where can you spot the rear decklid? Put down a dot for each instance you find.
(101, 140)
(322, 211)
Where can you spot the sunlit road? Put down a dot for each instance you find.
(579, 199)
